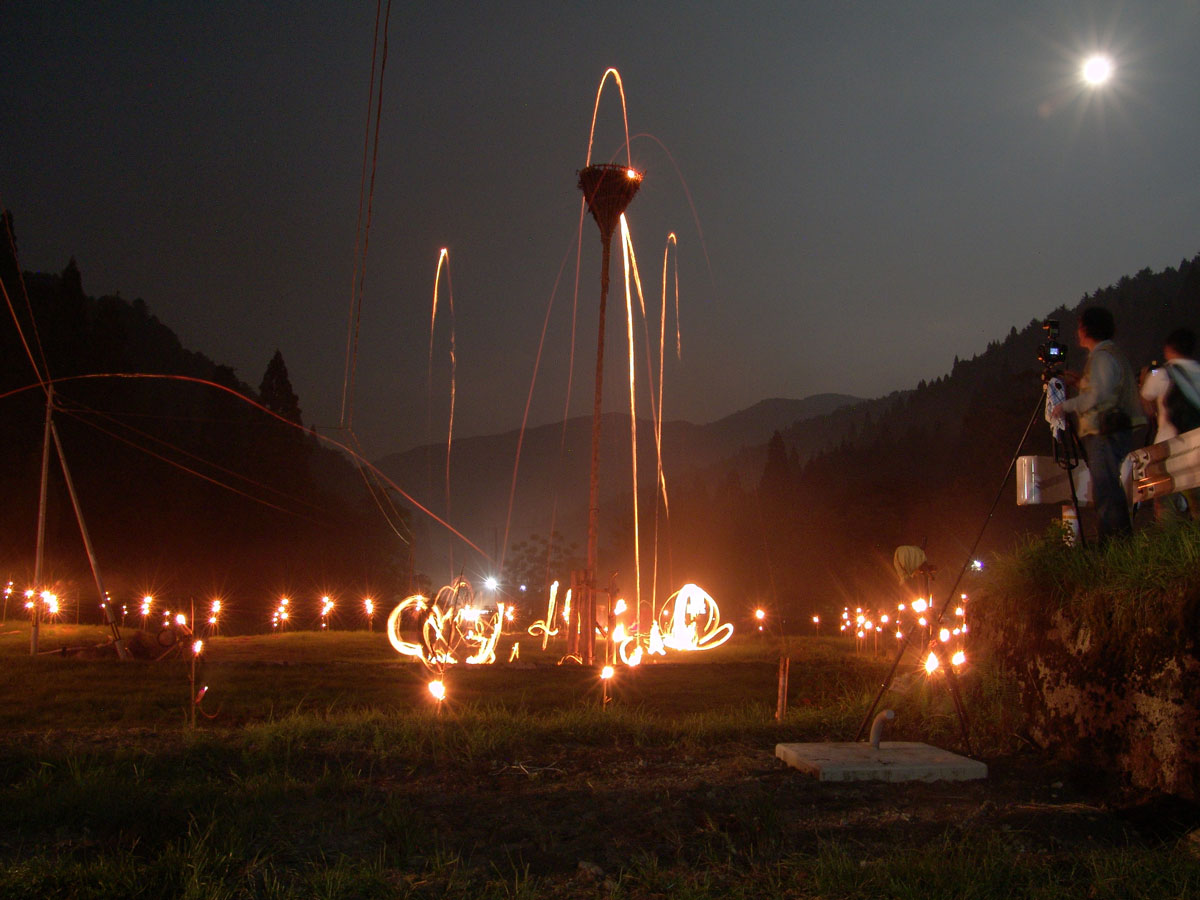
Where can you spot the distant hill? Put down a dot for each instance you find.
(552, 477)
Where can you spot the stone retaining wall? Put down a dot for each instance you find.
(1110, 706)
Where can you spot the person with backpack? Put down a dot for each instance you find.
(1172, 391)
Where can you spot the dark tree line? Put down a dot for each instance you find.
(817, 530)
(187, 489)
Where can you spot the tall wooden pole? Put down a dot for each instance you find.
(41, 526)
(105, 604)
(607, 190)
(588, 606)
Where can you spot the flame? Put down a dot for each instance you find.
(656, 645)
(931, 663)
(630, 659)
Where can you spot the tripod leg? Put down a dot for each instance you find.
(887, 682)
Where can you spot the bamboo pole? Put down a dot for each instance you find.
(41, 527)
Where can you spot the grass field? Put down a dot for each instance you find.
(328, 771)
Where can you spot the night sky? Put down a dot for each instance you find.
(877, 187)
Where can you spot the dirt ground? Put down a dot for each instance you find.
(597, 810)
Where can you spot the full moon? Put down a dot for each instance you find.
(1097, 69)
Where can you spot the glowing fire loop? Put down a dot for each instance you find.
(690, 620)
(447, 629)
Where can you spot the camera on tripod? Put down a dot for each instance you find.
(1052, 354)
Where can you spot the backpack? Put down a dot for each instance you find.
(1183, 413)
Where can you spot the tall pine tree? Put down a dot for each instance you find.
(276, 390)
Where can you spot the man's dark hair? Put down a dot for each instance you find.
(1098, 323)
(1182, 341)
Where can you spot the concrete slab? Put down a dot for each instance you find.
(893, 761)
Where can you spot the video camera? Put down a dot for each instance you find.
(1052, 354)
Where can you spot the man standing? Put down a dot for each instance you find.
(1109, 412)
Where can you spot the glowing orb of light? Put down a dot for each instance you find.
(606, 673)
(919, 605)
(491, 583)
(958, 658)
(1097, 69)
(180, 619)
(198, 648)
(438, 689)
(931, 663)
(760, 614)
(944, 635)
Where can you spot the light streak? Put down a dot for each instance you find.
(624, 113)
(692, 621)
(631, 261)
(447, 628)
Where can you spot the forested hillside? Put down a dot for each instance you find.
(187, 489)
(817, 530)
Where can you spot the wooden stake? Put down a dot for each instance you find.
(785, 663)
